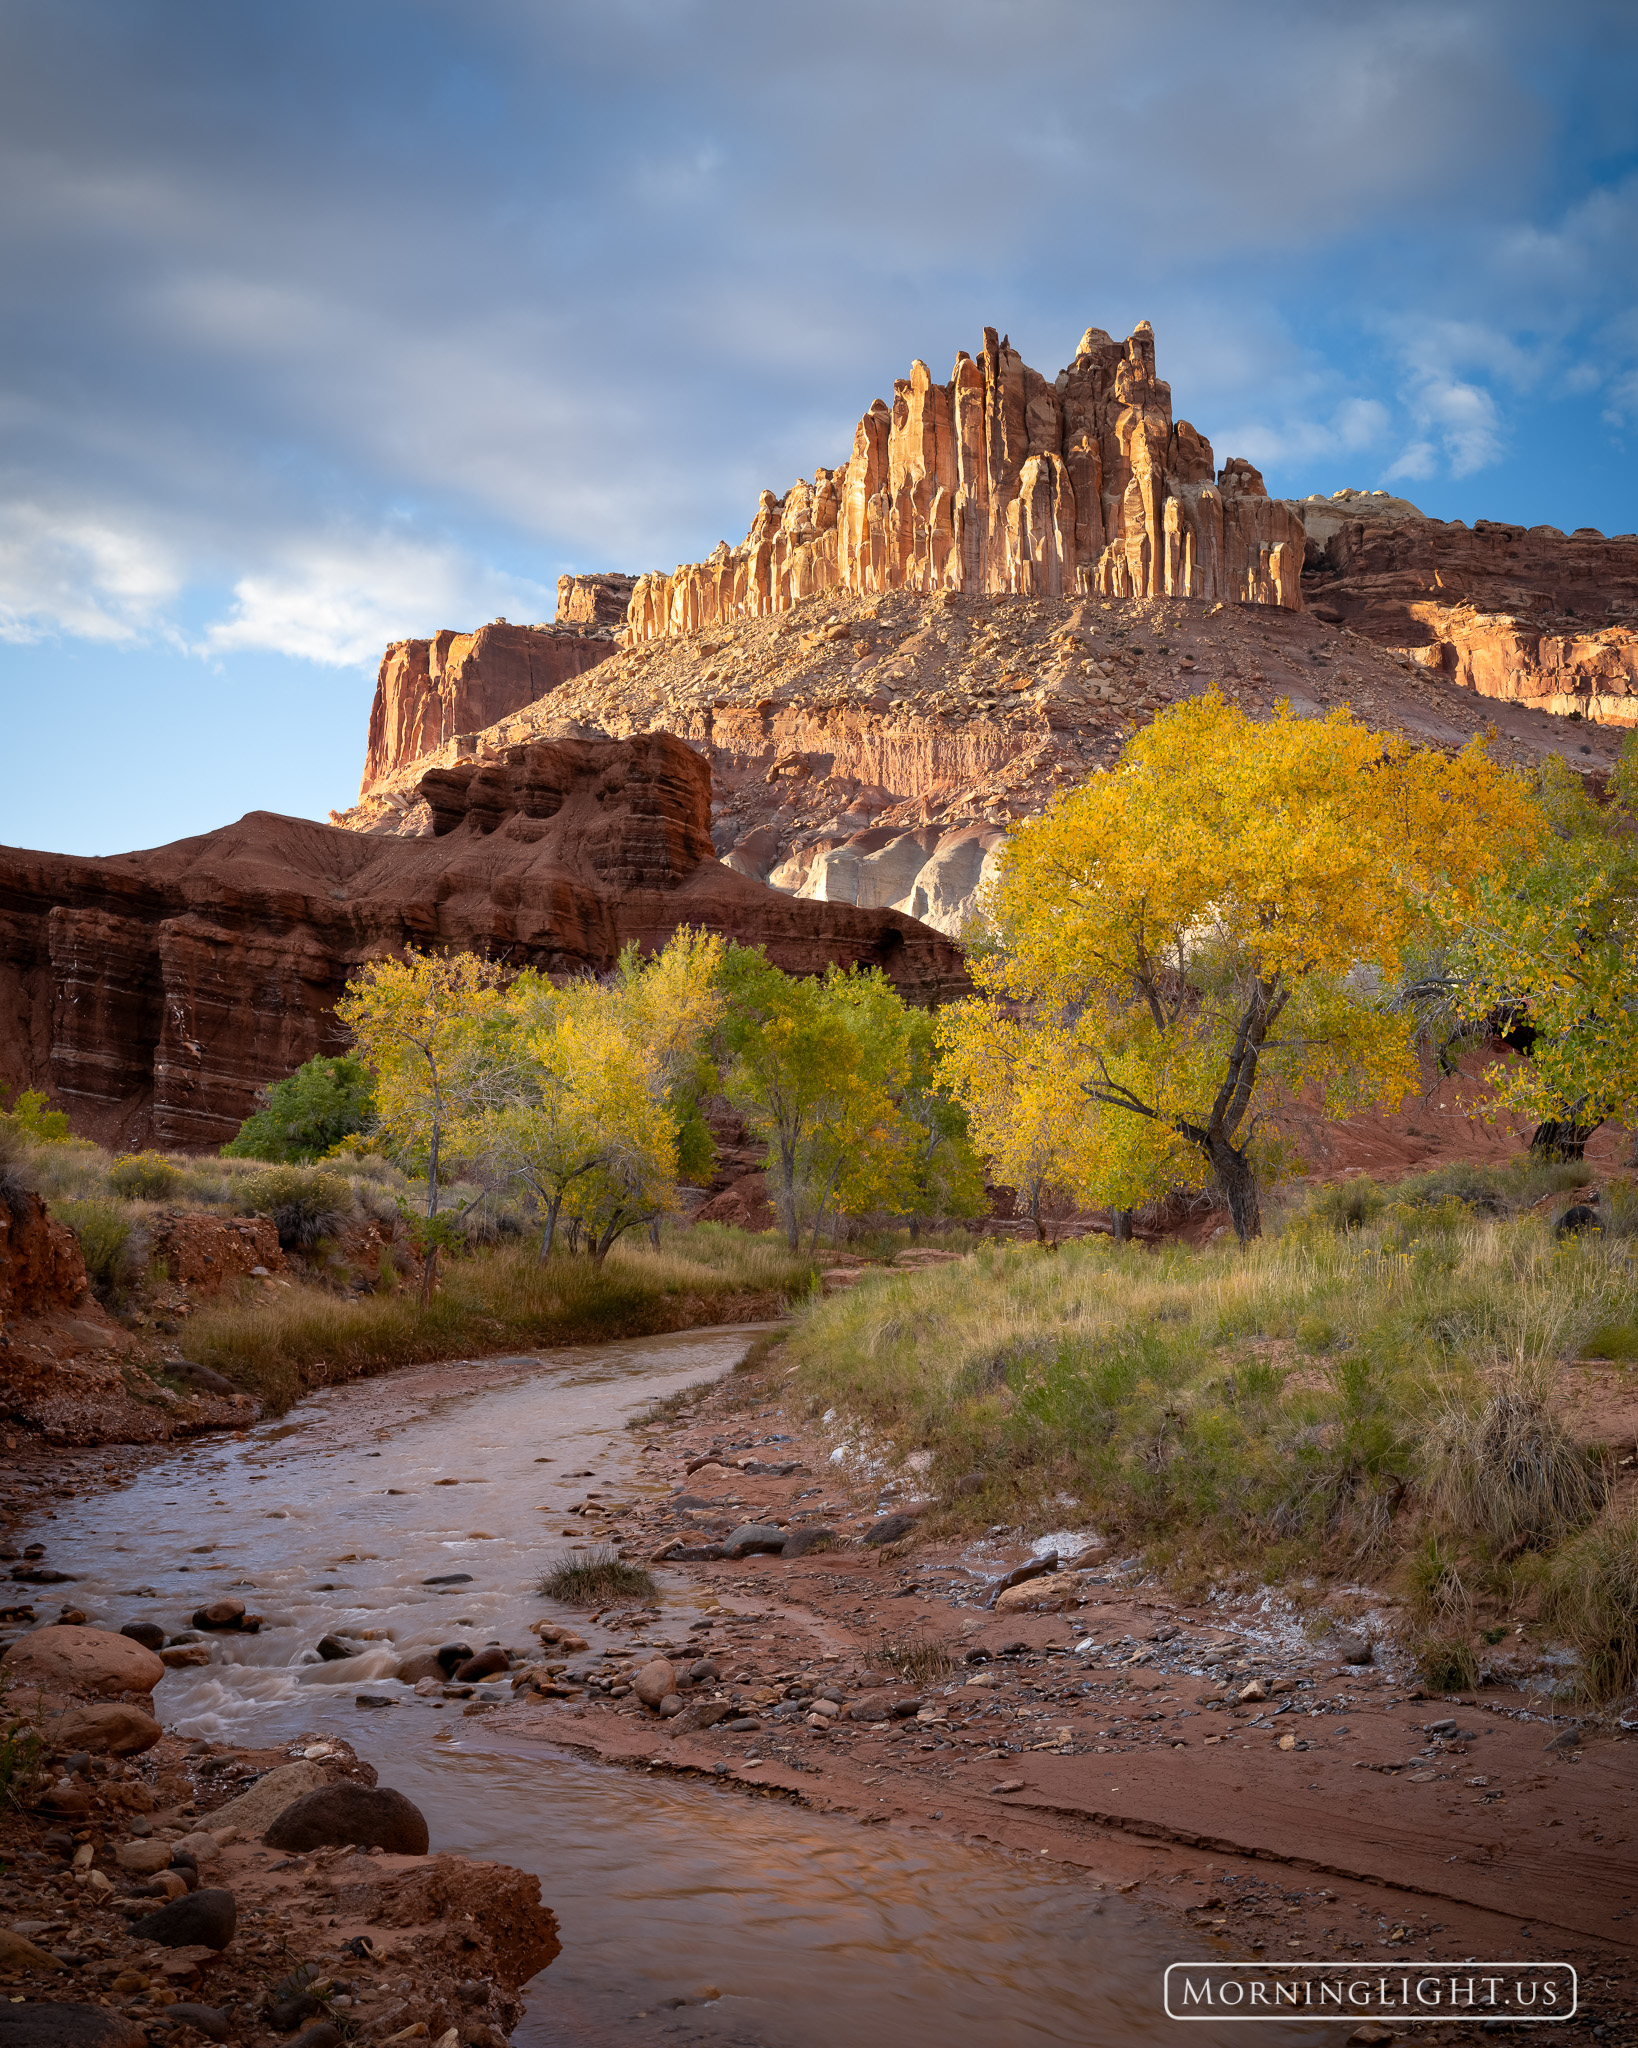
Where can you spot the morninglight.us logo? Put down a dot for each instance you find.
(1368, 1991)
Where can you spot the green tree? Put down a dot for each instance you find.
(30, 1116)
(309, 1112)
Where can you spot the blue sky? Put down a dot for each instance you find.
(327, 325)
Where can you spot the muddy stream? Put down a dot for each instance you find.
(812, 1929)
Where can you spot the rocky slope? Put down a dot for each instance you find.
(153, 994)
(1530, 616)
(873, 750)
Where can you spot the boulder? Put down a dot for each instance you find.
(485, 1665)
(424, 1664)
(655, 1682)
(890, 1529)
(1048, 1595)
(1354, 1649)
(221, 1614)
(82, 1660)
(334, 1650)
(143, 1858)
(205, 2019)
(374, 1816)
(17, 1952)
(267, 1798)
(110, 1728)
(753, 1538)
(204, 1919)
(148, 1633)
(799, 1542)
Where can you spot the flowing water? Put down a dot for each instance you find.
(810, 1929)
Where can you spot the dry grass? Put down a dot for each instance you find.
(1590, 1592)
(1508, 1467)
(279, 1346)
(919, 1660)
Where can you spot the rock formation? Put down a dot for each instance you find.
(432, 693)
(1528, 615)
(1001, 481)
(153, 994)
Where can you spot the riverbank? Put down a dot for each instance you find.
(1208, 1757)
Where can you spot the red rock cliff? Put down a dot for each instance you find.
(1001, 480)
(430, 692)
(1528, 615)
(153, 994)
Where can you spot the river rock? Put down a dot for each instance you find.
(890, 1529)
(322, 2034)
(267, 1798)
(1354, 1649)
(798, 1542)
(204, 1919)
(373, 1816)
(203, 1845)
(67, 2026)
(148, 1633)
(754, 1538)
(655, 1682)
(143, 1859)
(221, 1614)
(288, 2014)
(204, 1377)
(484, 1665)
(334, 1650)
(671, 1706)
(420, 1668)
(109, 1728)
(700, 1714)
(82, 1660)
(453, 1655)
(184, 1656)
(17, 1952)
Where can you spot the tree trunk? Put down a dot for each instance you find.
(1123, 1225)
(550, 1232)
(1561, 1138)
(1239, 1183)
(429, 1275)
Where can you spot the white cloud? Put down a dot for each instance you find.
(66, 571)
(340, 601)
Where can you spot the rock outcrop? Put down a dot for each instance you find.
(429, 693)
(1001, 480)
(600, 600)
(153, 994)
(1527, 615)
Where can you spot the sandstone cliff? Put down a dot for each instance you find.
(873, 751)
(1000, 480)
(429, 692)
(152, 994)
(1527, 615)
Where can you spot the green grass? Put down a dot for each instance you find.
(280, 1345)
(1377, 1378)
(595, 1578)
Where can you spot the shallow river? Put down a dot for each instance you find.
(813, 1931)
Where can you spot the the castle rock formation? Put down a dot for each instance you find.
(1001, 481)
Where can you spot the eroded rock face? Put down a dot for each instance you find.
(157, 992)
(600, 600)
(1527, 615)
(1000, 480)
(430, 692)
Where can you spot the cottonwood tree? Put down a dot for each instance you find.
(1553, 945)
(1215, 916)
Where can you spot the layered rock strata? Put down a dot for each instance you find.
(153, 994)
(600, 600)
(1002, 480)
(1526, 615)
(875, 750)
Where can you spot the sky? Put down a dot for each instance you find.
(325, 325)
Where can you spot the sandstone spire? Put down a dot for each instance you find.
(998, 480)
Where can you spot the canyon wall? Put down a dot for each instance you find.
(153, 994)
(428, 692)
(1527, 615)
(1003, 481)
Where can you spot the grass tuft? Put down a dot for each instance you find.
(919, 1660)
(1509, 1469)
(595, 1577)
(1591, 1594)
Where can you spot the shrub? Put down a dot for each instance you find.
(1509, 1470)
(31, 1117)
(1591, 1594)
(1349, 1205)
(109, 1243)
(594, 1578)
(144, 1177)
(1447, 1663)
(309, 1112)
(305, 1203)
